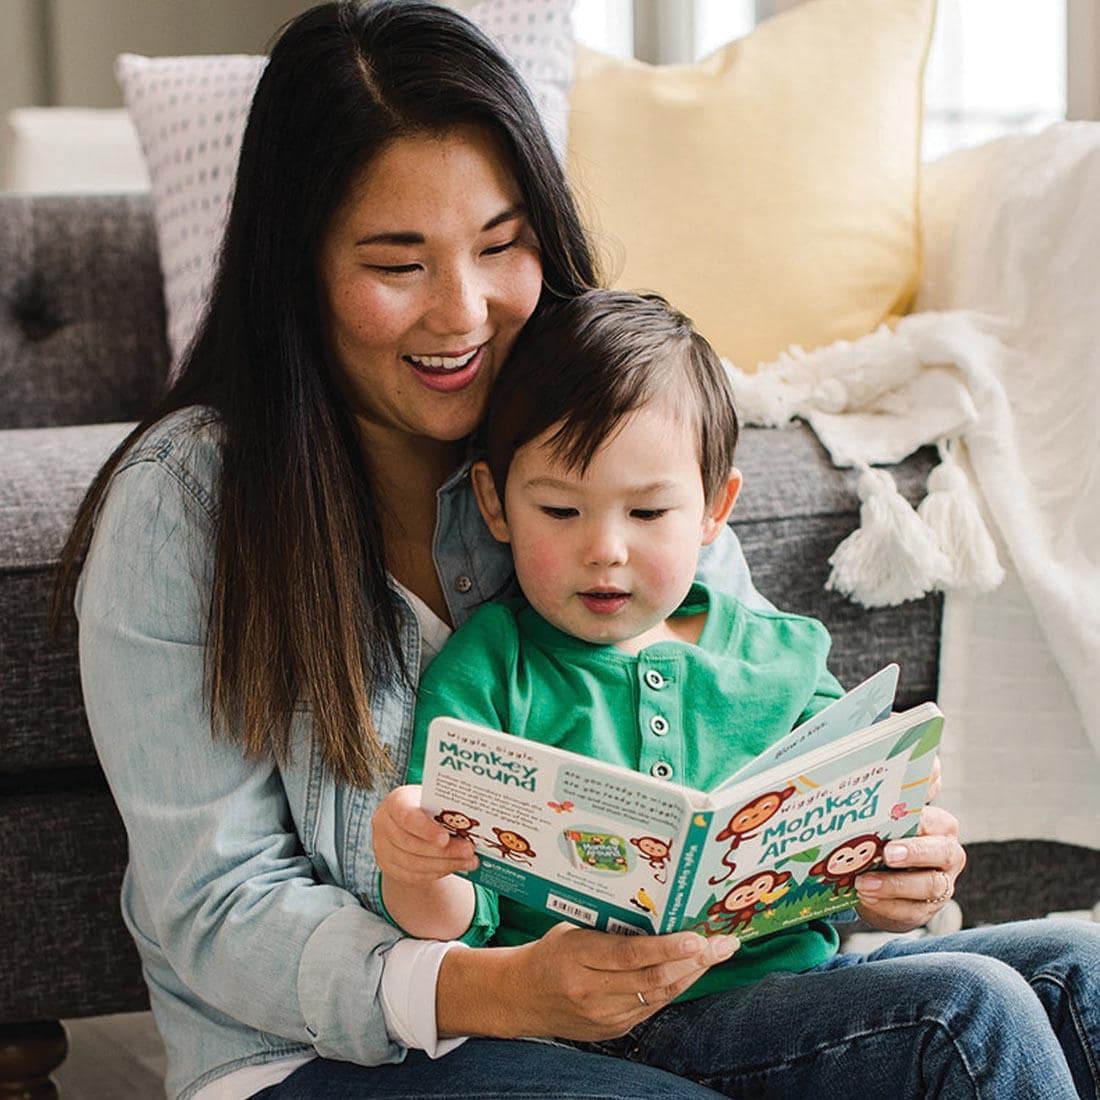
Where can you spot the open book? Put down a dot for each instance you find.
(778, 843)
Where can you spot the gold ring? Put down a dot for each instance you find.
(944, 894)
(641, 999)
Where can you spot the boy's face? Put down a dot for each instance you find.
(607, 556)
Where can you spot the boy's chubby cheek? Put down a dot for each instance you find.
(539, 569)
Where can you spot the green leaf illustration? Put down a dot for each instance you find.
(924, 736)
(808, 856)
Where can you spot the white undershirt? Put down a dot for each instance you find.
(410, 970)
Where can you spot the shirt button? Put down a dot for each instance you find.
(654, 679)
(659, 725)
(463, 584)
(661, 770)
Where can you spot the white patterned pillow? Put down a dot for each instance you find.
(190, 114)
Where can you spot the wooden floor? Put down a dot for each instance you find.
(113, 1058)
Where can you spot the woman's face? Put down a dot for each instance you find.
(427, 273)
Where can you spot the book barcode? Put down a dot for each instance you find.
(621, 928)
(571, 909)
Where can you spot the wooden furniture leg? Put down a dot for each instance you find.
(29, 1053)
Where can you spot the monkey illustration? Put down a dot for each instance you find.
(655, 852)
(742, 902)
(847, 860)
(511, 845)
(750, 816)
(457, 823)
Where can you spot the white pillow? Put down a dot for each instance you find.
(190, 114)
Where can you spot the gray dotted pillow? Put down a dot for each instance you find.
(190, 114)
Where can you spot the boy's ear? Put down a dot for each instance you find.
(718, 510)
(488, 502)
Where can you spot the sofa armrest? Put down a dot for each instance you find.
(46, 472)
(81, 310)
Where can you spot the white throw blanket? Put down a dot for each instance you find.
(1020, 667)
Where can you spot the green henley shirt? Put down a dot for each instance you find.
(691, 713)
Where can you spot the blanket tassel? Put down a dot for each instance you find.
(951, 511)
(892, 557)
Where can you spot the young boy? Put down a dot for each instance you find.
(609, 462)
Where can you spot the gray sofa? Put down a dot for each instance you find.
(82, 352)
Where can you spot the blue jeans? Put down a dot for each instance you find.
(1006, 1013)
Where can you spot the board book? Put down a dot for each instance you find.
(778, 843)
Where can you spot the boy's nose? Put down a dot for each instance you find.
(606, 546)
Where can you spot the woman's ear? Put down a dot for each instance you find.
(490, 505)
(718, 510)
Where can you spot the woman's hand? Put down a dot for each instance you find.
(573, 983)
(410, 847)
(921, 876)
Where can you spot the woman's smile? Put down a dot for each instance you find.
(447, 373)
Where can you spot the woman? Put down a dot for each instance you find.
(269, 558)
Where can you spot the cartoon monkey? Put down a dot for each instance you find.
(750, 816)
(847, 860)
(512, 846)
(457, 823)
(742, 902)
(655, 852)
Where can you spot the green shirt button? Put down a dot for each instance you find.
(654, 679)
(661, 770)
(659, 725)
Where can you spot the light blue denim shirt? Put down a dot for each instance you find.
(251, 892)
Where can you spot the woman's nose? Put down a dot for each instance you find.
(460, 305)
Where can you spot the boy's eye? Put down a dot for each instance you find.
(396, 269)
(648, 514)
(558, 513)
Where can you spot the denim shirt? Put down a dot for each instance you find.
(251, 891)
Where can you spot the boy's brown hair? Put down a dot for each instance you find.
(587, 362)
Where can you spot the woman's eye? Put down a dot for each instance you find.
(395, 269)
(558, 513)
(648, 514)
(497, 249)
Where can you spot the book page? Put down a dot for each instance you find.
(593, 844)
(788, 847)
(864, 705)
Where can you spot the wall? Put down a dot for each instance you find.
(61, 52)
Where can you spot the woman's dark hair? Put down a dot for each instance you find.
(587, 362)
(300, 606)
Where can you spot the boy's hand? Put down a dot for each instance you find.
(412, 848)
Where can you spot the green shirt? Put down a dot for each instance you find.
(690, 713)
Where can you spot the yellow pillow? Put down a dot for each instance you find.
(770, 190)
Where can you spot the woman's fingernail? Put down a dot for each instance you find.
(868, 883)
(722, 947)
(896, 853)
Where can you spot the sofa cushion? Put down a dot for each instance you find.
(769, 190)
(794, 509)
(81, 318)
